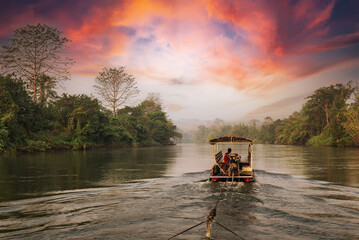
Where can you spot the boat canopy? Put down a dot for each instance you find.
(231, 139)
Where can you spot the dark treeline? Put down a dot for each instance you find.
(77, 122)
(329, 117)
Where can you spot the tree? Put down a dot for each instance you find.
(136, 123)
(46, 88)
(327, 101)
(161, 129)
(82, 123)
(267, 131)
(152, 103)
(352, 124)
(16, 112)
(115, 87)
(35, 51)
(201, 134)
(293, 130)
(148, 124)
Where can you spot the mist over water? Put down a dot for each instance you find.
(154, 193)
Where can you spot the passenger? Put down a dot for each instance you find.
(226, 158)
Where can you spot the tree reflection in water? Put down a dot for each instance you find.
(31, 175)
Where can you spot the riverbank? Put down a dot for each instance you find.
(40, 146)
(330, 117)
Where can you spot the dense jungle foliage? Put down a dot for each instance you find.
(76, 122)
(329, 117)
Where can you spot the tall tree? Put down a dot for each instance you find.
(327, 101)
(35, 51)
(115, 87)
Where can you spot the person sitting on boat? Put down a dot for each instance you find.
(226, 157)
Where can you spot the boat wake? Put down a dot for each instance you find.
(275, 206)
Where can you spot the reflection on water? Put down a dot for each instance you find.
(31, 175)
(335, 165)
(153, 193)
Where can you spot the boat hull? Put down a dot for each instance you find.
(238, 178)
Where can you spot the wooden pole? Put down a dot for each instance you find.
(208, 231)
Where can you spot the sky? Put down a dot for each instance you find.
(208, 59)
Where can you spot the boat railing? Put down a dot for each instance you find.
(219, 156)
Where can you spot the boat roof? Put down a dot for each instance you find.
(230, 139)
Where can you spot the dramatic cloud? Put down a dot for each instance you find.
(251, 46)
(282, 31)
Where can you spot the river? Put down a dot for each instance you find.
(153, 193)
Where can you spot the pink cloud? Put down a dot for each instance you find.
(273, 42)
(288, 39)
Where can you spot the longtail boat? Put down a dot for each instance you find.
(233, 166)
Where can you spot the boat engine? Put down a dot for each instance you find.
(234, 158)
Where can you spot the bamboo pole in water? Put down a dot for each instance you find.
(208, 231)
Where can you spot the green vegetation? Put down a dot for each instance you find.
(45, 121)
(77, 122)
(329, 117)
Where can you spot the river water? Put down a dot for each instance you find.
(153, 193)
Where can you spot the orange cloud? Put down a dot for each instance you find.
(245, 44)
(287, 40)
(98, 39)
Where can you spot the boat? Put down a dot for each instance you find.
(239, 166)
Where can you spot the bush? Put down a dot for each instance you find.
(323, 139)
